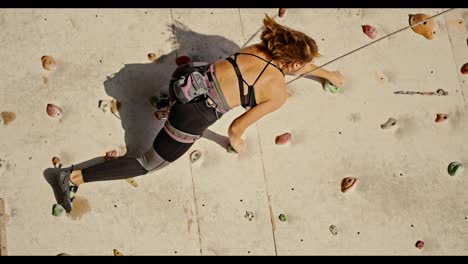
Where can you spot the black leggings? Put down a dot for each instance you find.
(193, 118)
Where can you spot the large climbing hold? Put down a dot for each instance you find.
(427, 28)
(370, 31)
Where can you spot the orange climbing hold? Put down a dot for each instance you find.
(48, 63)
(441, 118)
(347, 183)
(283, 139)
(7, 117)
(426, 29)
(152, 56)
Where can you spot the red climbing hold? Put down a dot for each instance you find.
(181, 60)
(54, 111)
(283, 139)
(464, 69)
(281, 12)
(420, 244)
(370, 31)
(113, 154)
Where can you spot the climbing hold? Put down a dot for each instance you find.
(334, 230)
(439, 92)
(181, 60)
(464, 69)
(454, 168)
(48, 63)
(54, 111)
(7, 117)
(113, 154)
(329, 87)
(441, 117)
(162, 102)
(282, 218)
(56, 162)
(249, 215)
(195, 155)
(161, 114)
(370, 31)
(390, 123)
(104, 105)
(63, 254)
(132, 182)
(230, 149)
(347, 183)
(58, 210)
(152, 56)
(117, 253)
(426, 29)
(115, 107)
(281, 12)
(283, 139)
(419, 244)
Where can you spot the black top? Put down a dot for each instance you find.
(249, 100)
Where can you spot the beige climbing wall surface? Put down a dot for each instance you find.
(227, 204)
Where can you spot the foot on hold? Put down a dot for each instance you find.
(195, 155)
(347, 183)
(391, 122)
(64, 190)
(455, 168)
(441, 118)
(329, 87)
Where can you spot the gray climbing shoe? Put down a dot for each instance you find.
(59, 180)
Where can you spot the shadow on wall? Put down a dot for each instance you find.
(134, 84)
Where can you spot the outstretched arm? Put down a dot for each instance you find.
(335, 77)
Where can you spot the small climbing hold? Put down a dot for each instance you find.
(249, 215)
(464, 69)
(104, 105)
(132, 182)
(334, 230)
(117, 253)
(389, 124)
(441, 118)
(58, 210)
(115, 107)
(152, 56)
(56, 162)
(230, 149)
(283, 218)
(195, 155)
(110, 155)
(7, 117)
(426, 29)
(347, 183)
(181, 60)
(283, 138)
(329, 87)
(370, 31)
(420, 244)
(63, 254)
(281, 12)
(455, 168)
(48, 63)
(54, 111)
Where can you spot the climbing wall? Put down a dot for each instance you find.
(223, 203)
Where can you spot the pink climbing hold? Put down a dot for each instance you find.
(181, 60)
(281, 12)
(54, 111)
(420, 244)
(370, 31)
(283, 139)
(113, 154)
(464, 69)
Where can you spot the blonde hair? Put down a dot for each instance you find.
(286, 45)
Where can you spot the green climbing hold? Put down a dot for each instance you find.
(328, 87)
(154, 101)
(58, 210)
(230, 149)
(454, 168)
(283, 218)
